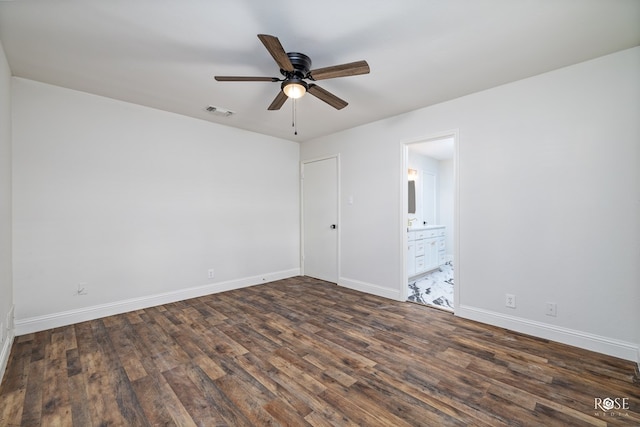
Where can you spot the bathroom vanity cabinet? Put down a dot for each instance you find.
(426, 249)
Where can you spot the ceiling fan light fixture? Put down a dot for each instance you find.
(294, 88)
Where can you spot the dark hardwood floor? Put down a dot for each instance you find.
(304, 352)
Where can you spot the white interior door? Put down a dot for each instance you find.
(320, 219)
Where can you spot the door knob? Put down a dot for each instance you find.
(333, 226)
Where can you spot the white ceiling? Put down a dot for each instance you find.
(164, 54)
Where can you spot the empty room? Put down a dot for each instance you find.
(413, 213)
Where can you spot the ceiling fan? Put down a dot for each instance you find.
(296, 68)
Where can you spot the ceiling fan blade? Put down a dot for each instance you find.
(277, 51)
(343, 70)
(278, 101)
(245, 79)
(327, 97)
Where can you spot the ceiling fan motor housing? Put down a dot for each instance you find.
(301, 64)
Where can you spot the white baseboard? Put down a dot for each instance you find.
(5, 351)
(612, 347)
(54, 320)
(370, 288)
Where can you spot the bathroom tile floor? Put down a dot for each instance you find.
(434, 289)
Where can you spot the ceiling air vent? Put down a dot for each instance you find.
(219, 111)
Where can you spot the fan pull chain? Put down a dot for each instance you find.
(294, 117)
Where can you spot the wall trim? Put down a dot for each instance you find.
(370, 288)
(64, 318)
(5, 352)
(609, 346)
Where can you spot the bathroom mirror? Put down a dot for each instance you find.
(412, 175)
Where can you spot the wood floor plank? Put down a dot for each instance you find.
(260, 370)
(223, 401)
(299, 352)
(240, 399)
(199, 406)
(21, 357)
(39, 344)
(410, 408)
(56, 404)
(32, 406)
(104, 409)
(80, 408)
(284, 414)
(156, 406)
(11, 408)
(444, 405)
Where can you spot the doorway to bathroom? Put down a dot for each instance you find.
(430, 220)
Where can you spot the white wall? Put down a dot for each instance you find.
(548, 197)
(429, 165)
(137, 204)
(6, 288)
(447, 194)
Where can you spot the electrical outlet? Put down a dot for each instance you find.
(1, 332)
(510, 300)
(551, 309)
(82, 289)
(211, 273)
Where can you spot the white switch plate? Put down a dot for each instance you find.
(211, 273)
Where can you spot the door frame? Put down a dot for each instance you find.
(338, 213)
(404, 215)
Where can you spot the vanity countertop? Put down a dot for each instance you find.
(424, 227)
